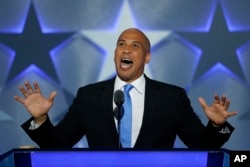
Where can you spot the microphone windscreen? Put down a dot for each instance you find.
(119, 98)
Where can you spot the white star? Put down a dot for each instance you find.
(107, 40)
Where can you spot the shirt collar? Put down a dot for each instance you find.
(139, 84)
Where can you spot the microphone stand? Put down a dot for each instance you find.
(119, 111)
(119, 125)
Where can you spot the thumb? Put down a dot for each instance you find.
(52, 96)
(202, 103)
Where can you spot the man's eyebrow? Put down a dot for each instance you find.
(137, 42)
(119, 40)
(134, 42)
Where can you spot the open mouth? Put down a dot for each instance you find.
(126, 61)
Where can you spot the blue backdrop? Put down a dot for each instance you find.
(203, 46)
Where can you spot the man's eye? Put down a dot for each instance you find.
(136, 46)
(121, 43)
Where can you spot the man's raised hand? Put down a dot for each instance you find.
(35, 103)
(218, 112)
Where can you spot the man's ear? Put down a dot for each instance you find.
(148, 57)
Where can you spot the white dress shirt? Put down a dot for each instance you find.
(137, 96)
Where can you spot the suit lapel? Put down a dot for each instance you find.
(148, 114)
(107, 106)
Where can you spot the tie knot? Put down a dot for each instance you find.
(127, 88)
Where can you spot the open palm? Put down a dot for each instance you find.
(35, 103)
(217, 112)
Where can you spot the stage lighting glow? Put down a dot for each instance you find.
(30, 69)
(220, 68)
(243, 54)
(13, 16)
(206, 27)
(236, 15)
(10, 53)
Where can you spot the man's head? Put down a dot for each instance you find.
(131, 54)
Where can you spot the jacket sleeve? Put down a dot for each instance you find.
(65, 134)
(194, 134)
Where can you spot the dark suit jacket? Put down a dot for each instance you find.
(167, 113)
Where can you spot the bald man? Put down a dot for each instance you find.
(160, 111)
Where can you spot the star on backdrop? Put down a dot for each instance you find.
(107, 39)
(4, 116)
(223, 48)
(32, 46)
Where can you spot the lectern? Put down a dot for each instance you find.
(114, 158)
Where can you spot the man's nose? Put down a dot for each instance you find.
(127, 49)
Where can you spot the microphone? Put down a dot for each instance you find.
(119, 98)
(119, 111)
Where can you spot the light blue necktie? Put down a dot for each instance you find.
(126, 121)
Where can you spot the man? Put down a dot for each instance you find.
(160, 111)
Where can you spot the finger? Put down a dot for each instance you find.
(216, 98)
(19, 99)
(202, 103)
(37, 88)
(29, 88)
(223, 100)
(52, 96)
(229, 114)
(23, 91)
(26, 147)
(227, 104)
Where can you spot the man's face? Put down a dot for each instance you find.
(131, 54)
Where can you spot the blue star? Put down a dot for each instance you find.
(218, 45)
(32, 46)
